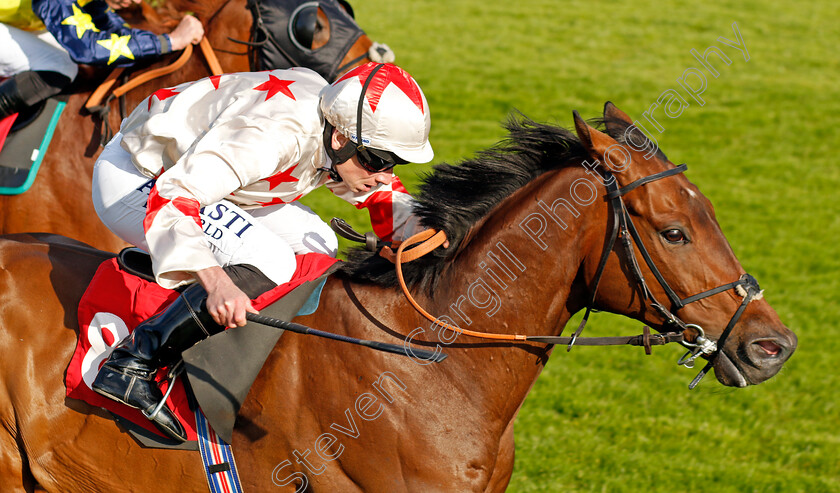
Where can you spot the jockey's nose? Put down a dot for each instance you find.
(384, 177)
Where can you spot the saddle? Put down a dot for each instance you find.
(26, 136)
(123, 293)
(23, 144)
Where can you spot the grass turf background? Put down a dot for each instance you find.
(760, 148)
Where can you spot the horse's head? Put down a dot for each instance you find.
(322, 35)
(666, 276)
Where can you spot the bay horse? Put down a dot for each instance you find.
(326, 417)
(59, 200)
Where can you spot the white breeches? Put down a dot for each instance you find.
(23, 50)
(276, 233)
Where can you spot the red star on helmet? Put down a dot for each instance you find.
(388, 74)
(282, 177)
(275, 85)
(161, 94)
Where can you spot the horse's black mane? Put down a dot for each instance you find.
(454, 198)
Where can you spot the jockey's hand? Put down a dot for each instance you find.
(226, 303)
(189, 31)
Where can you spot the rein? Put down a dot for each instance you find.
(432, 239)
(95, 104)
(623, 228)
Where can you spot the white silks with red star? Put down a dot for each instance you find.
(254, 139)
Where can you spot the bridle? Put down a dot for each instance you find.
(623, 227)
(274, 38)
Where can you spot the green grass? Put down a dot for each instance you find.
(762, 150)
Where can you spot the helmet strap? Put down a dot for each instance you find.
(360, 146)
(336, 156)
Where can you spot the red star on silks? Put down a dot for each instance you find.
(161, 94)
(390, 74)
(215, 80)
(278, 200)
(282, 177)
(275, 85)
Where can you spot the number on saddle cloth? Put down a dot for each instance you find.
(118, 301)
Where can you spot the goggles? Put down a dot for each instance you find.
(376, 160)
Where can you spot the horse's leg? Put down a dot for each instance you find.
(14, 469)
(71, 447)
(503, 469)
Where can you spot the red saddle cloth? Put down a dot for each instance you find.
(116, 302)
(5, 127)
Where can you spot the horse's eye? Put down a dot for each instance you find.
(674, 236)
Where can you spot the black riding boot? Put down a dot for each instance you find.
(127, 375)
(11, 100)
(29, 88)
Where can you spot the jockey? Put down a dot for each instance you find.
(43, 40)
(205, 176)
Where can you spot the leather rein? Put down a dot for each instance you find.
(691, 336)
(99, 105)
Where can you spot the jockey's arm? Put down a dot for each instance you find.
(205, 175)
(98, 36)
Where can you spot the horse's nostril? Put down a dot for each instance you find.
(769, 347)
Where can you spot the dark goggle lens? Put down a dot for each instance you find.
(377, 161)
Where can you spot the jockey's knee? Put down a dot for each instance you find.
(35, 86)
(321, 240)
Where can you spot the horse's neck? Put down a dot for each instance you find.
(524, 259)
(501, 282)
(518, 275)
(204, 10)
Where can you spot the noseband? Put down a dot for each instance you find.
(623, 227)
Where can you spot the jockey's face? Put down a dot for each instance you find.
(357, 178)
(121, 4)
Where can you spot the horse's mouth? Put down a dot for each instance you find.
(728, 373)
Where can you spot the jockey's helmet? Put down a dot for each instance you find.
(382, 110)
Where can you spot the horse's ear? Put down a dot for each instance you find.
(582, 130)
(594, 141)
(613, 115)
(611, 112)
